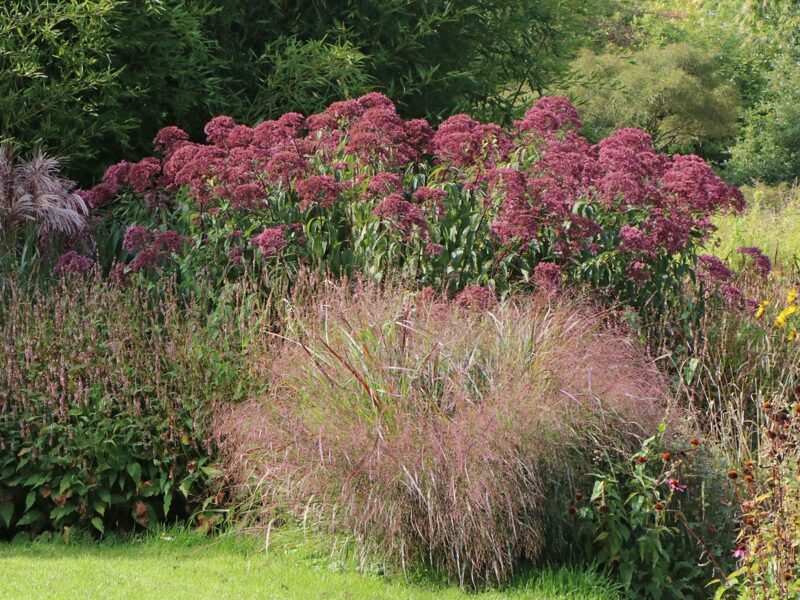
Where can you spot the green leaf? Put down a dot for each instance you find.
(97, 523)
(167, 503)
(135, 471)
(7, 512)
(29, 517)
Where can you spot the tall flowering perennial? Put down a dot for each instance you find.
(463, 204)
(270, 241)
(73, 264)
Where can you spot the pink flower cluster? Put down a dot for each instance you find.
(476, 297)
(760, 263)
(404, 215)
(539, 186)
(151, 247)
(73, 264)
(270, 241)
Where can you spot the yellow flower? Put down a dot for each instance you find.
(787, 312)
(791, 297)
(762, 307)
(792, 334)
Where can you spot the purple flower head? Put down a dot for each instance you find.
(633, 239)
(142, 175)
(464, 142)
(733, 296)
(99, 195)
(638, 272)
(292, 123)
(218, 128)
(322, 190)
(433, 250)
(549, 115)
(713, 269)
(402, 214)
(136, 238)
(168, 242)
(270, 241)
(73, 264)
(235, 256)
(286, 166)
(169, 139)
(692, 181)
(247, 195)
(116, 175)
(383, 184)
(240, 136)
(375, 100)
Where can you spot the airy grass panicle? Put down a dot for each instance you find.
(436, 431)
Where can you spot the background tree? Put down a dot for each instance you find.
(674, 93)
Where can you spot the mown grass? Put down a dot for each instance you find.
(178, 564)
(771, 222)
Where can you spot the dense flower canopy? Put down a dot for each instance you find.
(537, 192)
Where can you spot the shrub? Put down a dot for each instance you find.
(768, 147)
(434, 431)
(104, 398)
(661, 519)
(91, 79)
(356, 188)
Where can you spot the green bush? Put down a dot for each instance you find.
(93, 79)
(99, 78)
(104, 398)
(769, 148)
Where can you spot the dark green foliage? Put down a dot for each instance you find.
(769, 148)
(432, 57)
(93, 79)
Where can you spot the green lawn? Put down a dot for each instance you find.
(177, 565)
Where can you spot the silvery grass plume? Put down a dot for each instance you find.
(32, 191)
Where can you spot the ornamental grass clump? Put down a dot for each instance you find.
(36, 202)
(435, 431)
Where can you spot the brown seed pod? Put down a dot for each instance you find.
(659, 506)
(666, 457)
(732, 474)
